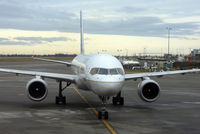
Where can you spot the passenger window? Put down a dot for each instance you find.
(113, 71)
(94, 71)
(103, 71)
(120, 71)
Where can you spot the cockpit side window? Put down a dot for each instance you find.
(103, 71)
(120, 71)
(113, 71)
(94, 71)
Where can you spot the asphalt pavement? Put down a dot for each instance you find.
(176, 112)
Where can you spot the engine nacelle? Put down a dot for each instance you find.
(149, 90)
(36, 89)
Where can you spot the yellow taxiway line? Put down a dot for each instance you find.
(109, 127)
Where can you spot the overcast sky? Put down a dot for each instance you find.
(141, 18)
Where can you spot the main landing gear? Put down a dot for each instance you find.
(118, 100)
(60, 99)
(103, 114)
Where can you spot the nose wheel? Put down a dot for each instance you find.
(103, 114)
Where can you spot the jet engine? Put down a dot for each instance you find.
(149, 90)
(36, 89)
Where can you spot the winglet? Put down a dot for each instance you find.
(81, 33)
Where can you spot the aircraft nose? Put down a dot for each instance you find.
(106, 88)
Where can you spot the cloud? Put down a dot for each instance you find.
(42, 39)
(12, 9)
(3, 39)
(130, 9)
(141, 26)
(22, 15)
(10, 42)
(50, 15)
(32, 40)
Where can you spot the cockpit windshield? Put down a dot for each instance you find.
(113, 71)
(104, 71)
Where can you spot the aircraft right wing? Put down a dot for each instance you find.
(55, 61)
(158, 74)
(56, 76)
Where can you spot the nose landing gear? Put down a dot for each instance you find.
(103, 114)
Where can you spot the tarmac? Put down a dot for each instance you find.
(176, 112)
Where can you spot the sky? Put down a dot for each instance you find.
(116, 27)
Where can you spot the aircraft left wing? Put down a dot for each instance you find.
(56, 76)
(158, 74)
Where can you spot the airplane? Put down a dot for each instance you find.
(130, 64)
(103, 74)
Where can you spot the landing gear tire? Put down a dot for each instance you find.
(99, 115)
(106, 115)
(60, 100)
(118, 100)
(103, 115)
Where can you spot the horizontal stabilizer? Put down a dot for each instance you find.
(55, 61)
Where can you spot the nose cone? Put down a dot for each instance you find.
(106, 88)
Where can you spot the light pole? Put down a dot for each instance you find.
(119, 50)
(168, 29)
(126, 52)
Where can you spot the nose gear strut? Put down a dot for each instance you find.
(103, 113)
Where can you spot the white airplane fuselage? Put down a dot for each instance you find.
(107, 78)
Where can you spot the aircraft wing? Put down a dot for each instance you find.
(158, 74)
(55, 61)
(56, 76)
